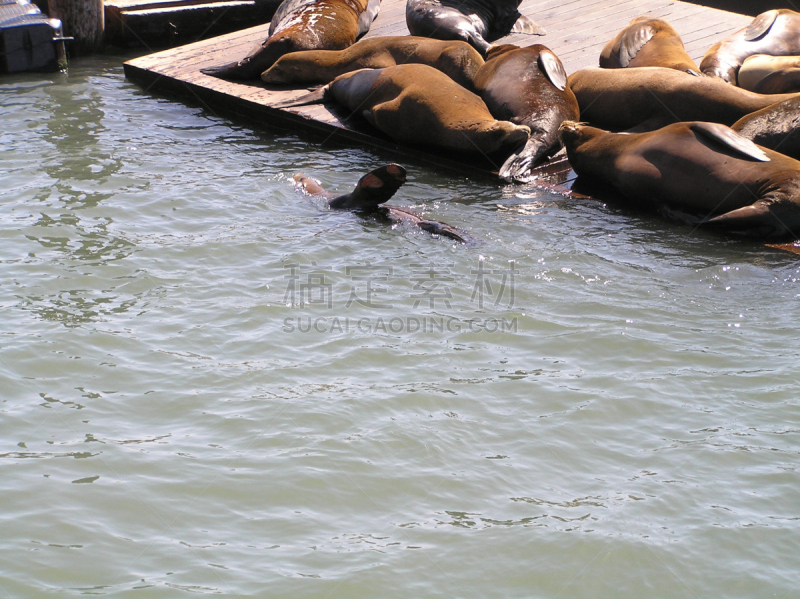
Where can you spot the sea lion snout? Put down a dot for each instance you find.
(570, 131)
(516, 134)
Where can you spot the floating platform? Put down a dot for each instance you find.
(577, 30)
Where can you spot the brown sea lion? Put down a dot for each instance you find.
(704, 168)
(371, 191)
(775, 32)
(456, 59)
(419, 105)
(770, 74)
(304, 25)
(780, 82)
(473, 21)
(527, 86)
(647, 42)
(647, 98)
(776, 127)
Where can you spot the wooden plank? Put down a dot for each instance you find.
(167, 22)
(577, 31)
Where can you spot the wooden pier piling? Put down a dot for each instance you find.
(83, 20)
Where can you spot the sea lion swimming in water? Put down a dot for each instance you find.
(775, 32)
(706, 168)
(304, 25)
(371, 191)
(456, 59)
(527, 86)
(472, 21)
(647, 42)
(647, 98)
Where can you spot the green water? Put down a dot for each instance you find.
(213, 385)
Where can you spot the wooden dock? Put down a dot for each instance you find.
(168, 23)
(577, 30)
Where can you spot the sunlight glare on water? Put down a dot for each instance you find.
(214, 385)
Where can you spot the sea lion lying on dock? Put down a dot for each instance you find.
(784, 81)
(304, 25)
(770, 74)
(647, 42)
(775, 32)
(371, 191)
(776, 127)
(456, 59)
(647, 98)
(527, 86)
(417, 104)
(706, 168)
(473, 21)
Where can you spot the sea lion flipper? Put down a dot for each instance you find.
(439, 228)
(783, 81)
(634, 39)
(318, 96)
(366, 18)
(369, 116)
(518, 165)
(552, 67)
(527, 25)
(223, 71)
(434, 227)
(729, 138)
(754, 220)
(309, 186)
(760, 25)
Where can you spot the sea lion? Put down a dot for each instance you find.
(372, 190)
(527, 86)
(647, 42)
(776, 127)
(704, 168)
(304, 25)
(770, 74)
(784, 81)
(456, 59)
(416, 104)
(473, 21)
(775, 32)
(647, 98)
